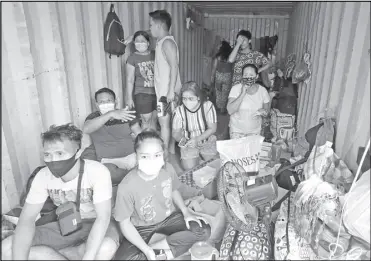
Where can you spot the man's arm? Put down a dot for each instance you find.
(93, 125)
(98, 230)
(25, 231)
(169, 49)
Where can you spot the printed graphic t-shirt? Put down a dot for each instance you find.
(243, 120)
(96, 187)
(146, 202)
(144, 72)
(253, 57)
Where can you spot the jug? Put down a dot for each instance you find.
(203, 251)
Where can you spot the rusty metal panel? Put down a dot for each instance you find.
(259, 26)
(53, 61)
(338, 37)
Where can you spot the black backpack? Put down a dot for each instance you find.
(113, 34)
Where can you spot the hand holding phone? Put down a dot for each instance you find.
(160, 254)
(183, 142)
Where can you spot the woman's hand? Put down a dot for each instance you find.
(188, 217)
(130, 103)
(261, 112)
(192, 143)
(240, 40)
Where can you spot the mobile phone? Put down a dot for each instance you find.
(163, 107)
(182, 142)
(160, 254)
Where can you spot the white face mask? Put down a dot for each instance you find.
(106, 107)
(141, 47)
(151, 167)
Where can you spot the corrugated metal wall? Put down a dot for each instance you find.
(338, 37)
(228, 26)
(52, 63)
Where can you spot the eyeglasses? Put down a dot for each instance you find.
(189, 98)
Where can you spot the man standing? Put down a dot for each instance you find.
(59, 180)
(167, 77)
(111, 131)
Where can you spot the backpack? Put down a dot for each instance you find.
(113, 34)
(47, 212)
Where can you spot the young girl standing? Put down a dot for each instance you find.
(140, 92)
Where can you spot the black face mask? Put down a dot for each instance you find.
(248, 80)
(61, 167)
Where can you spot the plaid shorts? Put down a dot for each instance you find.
(207, 148)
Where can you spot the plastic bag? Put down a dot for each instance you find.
(244, 151)
(318, 162)
(302, 72)
(356, 216)
(282, 125)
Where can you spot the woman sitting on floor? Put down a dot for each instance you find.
(194, 123)
(247, 103)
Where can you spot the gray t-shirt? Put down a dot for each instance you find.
(144, 72)
(146, 202)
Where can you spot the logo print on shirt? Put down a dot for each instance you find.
(147, 211)
(146, 70)
(166, 191)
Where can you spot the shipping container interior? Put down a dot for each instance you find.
(53, 61)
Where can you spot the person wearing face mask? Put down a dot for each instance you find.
(248, 102)
(195, 121)
(140, 87)
(145, 205)
(243, 54)
(166, 72)
(111, 131)
(99, 234)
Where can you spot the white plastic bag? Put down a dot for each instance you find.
(318, 162)
(357, 209)
(244, 151)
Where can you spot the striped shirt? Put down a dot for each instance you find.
(196, 125)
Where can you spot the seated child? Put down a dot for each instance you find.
(195, 120)
(145, 206)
